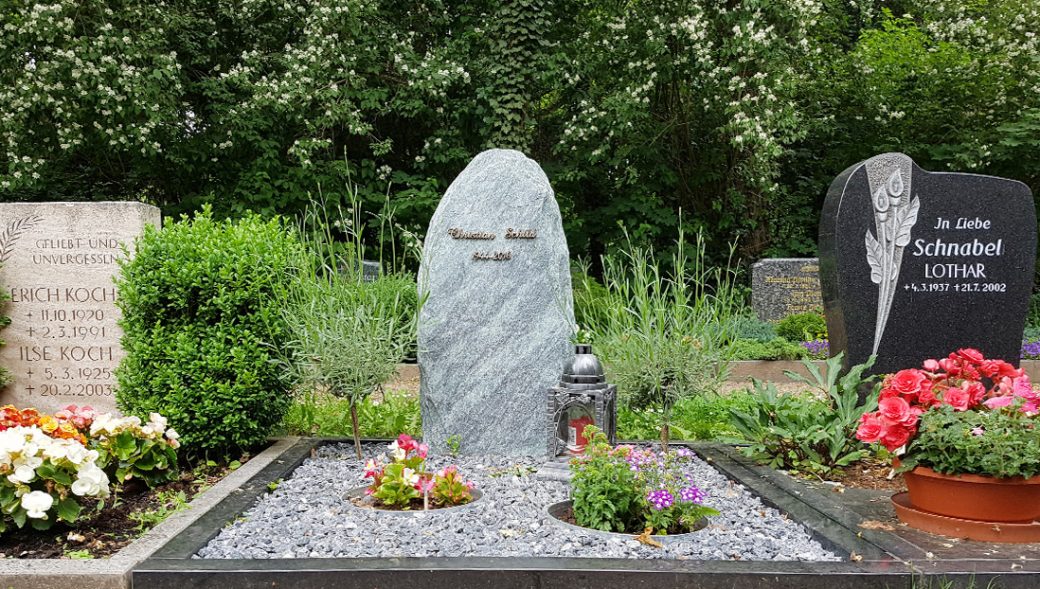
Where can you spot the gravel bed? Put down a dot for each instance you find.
(308, 517)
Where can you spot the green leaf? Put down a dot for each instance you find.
(68, 509)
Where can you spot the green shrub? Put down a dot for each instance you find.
(346, 335)
(1031, 333)
(321, 414)
(806, 432)
(400, 293)
(752, 328)
(801, 327)
(202, 329)
(775, 349)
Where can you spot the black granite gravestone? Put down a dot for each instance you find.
(915, 264)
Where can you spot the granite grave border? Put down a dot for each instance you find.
(876, 558)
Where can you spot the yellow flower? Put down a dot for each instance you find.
(48, 424)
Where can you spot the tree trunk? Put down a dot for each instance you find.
(354, 424)
(664, 437)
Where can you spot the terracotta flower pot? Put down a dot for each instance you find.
(974, 497)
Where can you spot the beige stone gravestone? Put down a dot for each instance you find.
(58, 263)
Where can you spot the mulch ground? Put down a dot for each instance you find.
(870, 474)
(99, 534)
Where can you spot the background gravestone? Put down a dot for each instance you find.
(494, 331)
(785, 286)
(915, 265)
(59, 260)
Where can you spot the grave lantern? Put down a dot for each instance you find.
(582, 398)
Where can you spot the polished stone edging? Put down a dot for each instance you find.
(879, 558)
(114, 572)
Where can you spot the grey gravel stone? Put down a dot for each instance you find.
(307, 515)
(493, 334)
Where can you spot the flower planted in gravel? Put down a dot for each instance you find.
(629, 489)
(404, 483)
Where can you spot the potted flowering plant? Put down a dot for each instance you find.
(965, 432)
(635, 490)
(404, 483)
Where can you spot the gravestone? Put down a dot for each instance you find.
(58, 262)
(785, 286)
(494, 331)
(915, 264)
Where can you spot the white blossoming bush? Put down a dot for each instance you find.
(130, 449)
(43, 478)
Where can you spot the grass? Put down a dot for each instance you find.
(318, 414)
(695, 418)
(170, 503)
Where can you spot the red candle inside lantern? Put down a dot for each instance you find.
(575, 433)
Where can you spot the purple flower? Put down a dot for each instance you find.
(692, 495)
(1031, 350)
(817, 347)
(660, 499)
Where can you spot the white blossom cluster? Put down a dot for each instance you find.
(694, 61)
(80, 80)
(24, 450)
(107, 425)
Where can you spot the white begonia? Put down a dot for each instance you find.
(90, 480)
(23, 474)
(410, 476)
(36, 504)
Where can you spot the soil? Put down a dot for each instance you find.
(567, 516)
(102, 534)
(366, 502)
(870, 474)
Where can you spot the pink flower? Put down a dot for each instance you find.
(957, 398)
(978, 431)
(1021, 387)
(894, 435)
(931, 365)
(907, 382)
(975, 391)
(927, 397)
(423, 450)
(998, 402)
(971, 355)
(950, 367)
(869, 430)
(372, 468)
(425, 485)
(406, 443)
(895, 410)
